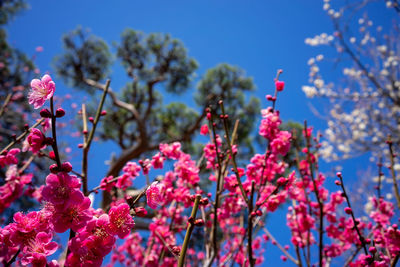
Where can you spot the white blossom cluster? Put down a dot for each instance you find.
(365, 101)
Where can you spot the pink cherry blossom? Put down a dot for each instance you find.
(41, 91)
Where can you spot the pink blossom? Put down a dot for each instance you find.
(37, 250)
(154, 195)
(124, 181)
(132, 168)
(106, 183)
(59, 187)
(158, 161)
(74, 215)
(23, 230)
(187, 170)
(204, 130)
(121, 222)
(36, 140)
(9, 158)
(269, 124)
(41, 91)
(281, 143)
(172, 151)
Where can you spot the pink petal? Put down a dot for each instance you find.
(36, 83)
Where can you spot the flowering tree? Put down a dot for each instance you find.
(137, 119)
(229, 217)
(16, 72)
(365, 99)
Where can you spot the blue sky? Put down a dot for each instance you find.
(258, 36)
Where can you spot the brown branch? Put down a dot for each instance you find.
(3, 107)
(21, 136)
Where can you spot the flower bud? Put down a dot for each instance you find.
(53, 168)
(60, 112)
(66, 167)
(348, 210)
(48, 141)
(191, 220)
(199, 222)
(45, 113)
(140, 212)
(279, 85)
(204, 201)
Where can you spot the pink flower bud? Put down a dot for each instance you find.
(45, 113)
(66, 167)
(279, 85)
(140, 212)
(348, 210)
(53, 168)
(60, 112)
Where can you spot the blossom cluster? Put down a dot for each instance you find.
(225, 217)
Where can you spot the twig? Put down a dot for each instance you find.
(320, 204)
(235, 168)
(12, 259)
(395, 260)
(250, 226)
(189, 231)
(218, 190)
(54, 134)
(166, 245)
(88, 140)
(26, 164)
(362, 240)
(395, 186)
(21, 136)
(3, 107)
(378, 188)
(290, 257)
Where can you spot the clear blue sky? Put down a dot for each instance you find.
(258, 36)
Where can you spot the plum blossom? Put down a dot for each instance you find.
(59, 187)
(36, 140)
(74, 215)
(9, 158)
(121, 221)
(41, 91)
(154, 195)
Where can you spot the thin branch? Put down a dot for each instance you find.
(392, 155)
(3, 107)
(189, 231)
(235, 168)
(362, 239)
(54, 134)
(7, 264)
(21, 136)
(86, 145)
(290, 257)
